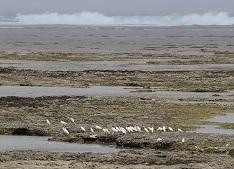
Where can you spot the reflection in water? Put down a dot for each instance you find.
(35, 143)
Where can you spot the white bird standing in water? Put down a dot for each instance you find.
(48, 122)
(65, 131)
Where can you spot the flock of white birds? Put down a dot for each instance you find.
(124, 130)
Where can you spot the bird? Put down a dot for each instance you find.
(72, 120)
(135, 128)
(63, 122)
(48, 122)
(179, 130)
(159, 139)
(164, 128)
(98, 127)
(91, 129)
(160, 129)
(117, 128)
(114, 129)
(183, 140)
(82, 128)
(151, 129)
(146, 130)
(123, 130)
(138, 128)
(170, 129)
(65, 131)
(129, 129)
(106, 130)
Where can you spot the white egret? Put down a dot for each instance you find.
(159, 139)
(123, 130)
(138, 128)
(63, 122)
(134, 128)
(183, 140)
(160, 129)
(48, 122)
(179, 130)
(146, 130)
(151, 129)
(72, 120)
(93, 136)
(129, 129)
(114, 129)
(106, 130)
(65, 131)
(117, 128)
(170, 129)
(82, 128)
(164, 128)
(91, 129)
(98, 127)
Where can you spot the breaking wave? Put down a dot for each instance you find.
(93, 18)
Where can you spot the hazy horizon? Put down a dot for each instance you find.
(116, 7)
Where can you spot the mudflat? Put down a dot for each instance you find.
(148, 60)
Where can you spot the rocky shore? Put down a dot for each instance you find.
(158, 62)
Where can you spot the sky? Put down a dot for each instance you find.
(116, 7)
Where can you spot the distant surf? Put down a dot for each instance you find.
(93, 18)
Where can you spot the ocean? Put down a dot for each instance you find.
(94, 18)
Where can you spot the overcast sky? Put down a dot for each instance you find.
(116, 7)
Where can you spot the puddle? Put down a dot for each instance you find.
(36, 143)
(28, 91)
(130, 65)
(228, 118)
(213, 129)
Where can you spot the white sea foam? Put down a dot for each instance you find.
(93, 18)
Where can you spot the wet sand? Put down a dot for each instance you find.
(178, 73)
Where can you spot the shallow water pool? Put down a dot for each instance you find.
(228, 118)
(38, 143)
(213, 129)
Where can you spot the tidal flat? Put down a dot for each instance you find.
(196, 63)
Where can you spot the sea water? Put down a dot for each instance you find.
(94, 18)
